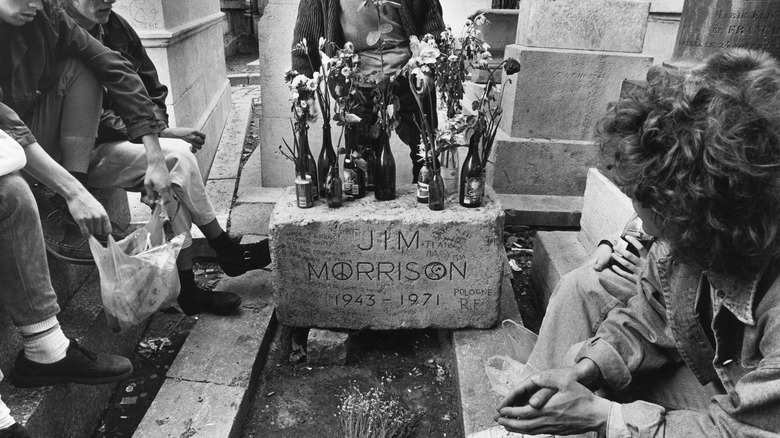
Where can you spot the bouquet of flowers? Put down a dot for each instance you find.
(303, 91)
(458, 54)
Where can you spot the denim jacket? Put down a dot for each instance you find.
(667, 322)
(28, 59)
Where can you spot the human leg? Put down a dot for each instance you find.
(48, 356)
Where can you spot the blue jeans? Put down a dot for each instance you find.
(26, 292)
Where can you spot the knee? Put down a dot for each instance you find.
(15, 195)
(180, 160)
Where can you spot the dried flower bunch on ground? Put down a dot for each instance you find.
(374, 414)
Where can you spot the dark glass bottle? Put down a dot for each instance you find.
(334, 190)
(326, 159)
(384, 173)
(369, 154)
(354, 176)
(471, 182)
(423, 181)
(309, 164)
(436, 192)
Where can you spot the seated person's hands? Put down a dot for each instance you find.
(192, 136)
(600, 257)
(89, 214)
(632, 265)
(553, 402)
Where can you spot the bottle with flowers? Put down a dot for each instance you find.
(344, 77)
(303, 91)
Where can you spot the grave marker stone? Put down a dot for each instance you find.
(387, 265)
(708, 26)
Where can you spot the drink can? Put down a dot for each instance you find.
(304, 191)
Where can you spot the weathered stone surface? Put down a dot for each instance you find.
(250, 218)
(185, 408)
(456, 11)
(708, 26)
(537, 166)
(608, 25)
(555, 254)
(605, 210)
(561, 94)
(231, 145)
(387, 265)
(471, 349)
(501, 29)
(661, 35)
(327, 347)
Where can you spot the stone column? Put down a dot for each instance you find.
(707, 26)
(184, 40)
(574, 57)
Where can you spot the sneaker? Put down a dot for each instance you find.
(14, 431)
(246, 258)
(79, 366)
(64, 240)
(207, 301)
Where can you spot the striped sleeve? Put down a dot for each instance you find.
(309, 25)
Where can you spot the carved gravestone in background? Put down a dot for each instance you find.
(387, 265)
(708, 26)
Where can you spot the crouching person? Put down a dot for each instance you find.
(696, 352)
(48, 357)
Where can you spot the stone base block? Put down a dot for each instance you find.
(609, 25)
(605, 210)
(534, 166)
(563, 93)
(555, 254)
(387, 265)
(327, 347)
(542, 211)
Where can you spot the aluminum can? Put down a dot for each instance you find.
(304, 191)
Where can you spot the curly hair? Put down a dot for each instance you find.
(701, 150)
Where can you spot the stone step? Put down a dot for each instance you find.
(208, 387)
(605, 210)
(542, 210)
(471, 349)
(70, 410)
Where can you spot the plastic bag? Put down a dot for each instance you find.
(504, 374)
(520, 341)
(138, 274)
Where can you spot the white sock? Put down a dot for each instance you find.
(44, 342)
(6, 420)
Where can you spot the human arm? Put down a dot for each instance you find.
(88, 213)
(191, 135)
(428, 17)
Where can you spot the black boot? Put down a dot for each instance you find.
(193, 300)
(235, 259)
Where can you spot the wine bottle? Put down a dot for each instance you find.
(384, 173)
(309, 164)
(471, 181)
(436, 191)
(449, 170)
(634, 229)
(370, 156)
(334, 189)
(423, 180)
(354, 176)
(326, 159)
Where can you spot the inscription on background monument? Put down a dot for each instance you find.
(708, 26)
(414, 270)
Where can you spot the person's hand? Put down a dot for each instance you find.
(157, 181)
(192, 136)
(600, 257)
(89, 214)
(632, 265)
(566, 407)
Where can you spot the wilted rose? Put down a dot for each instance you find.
(511, 66)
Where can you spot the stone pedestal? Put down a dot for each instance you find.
(387, 265)
(184, 40)
(708, 26)
(574, 56)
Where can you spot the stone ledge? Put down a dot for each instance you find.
(471, 349)
(244, 79)
(542, 210)
(208, 387)
(555, 254)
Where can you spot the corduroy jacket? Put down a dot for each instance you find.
(28, 60)
(667, 322)
(321, 18)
